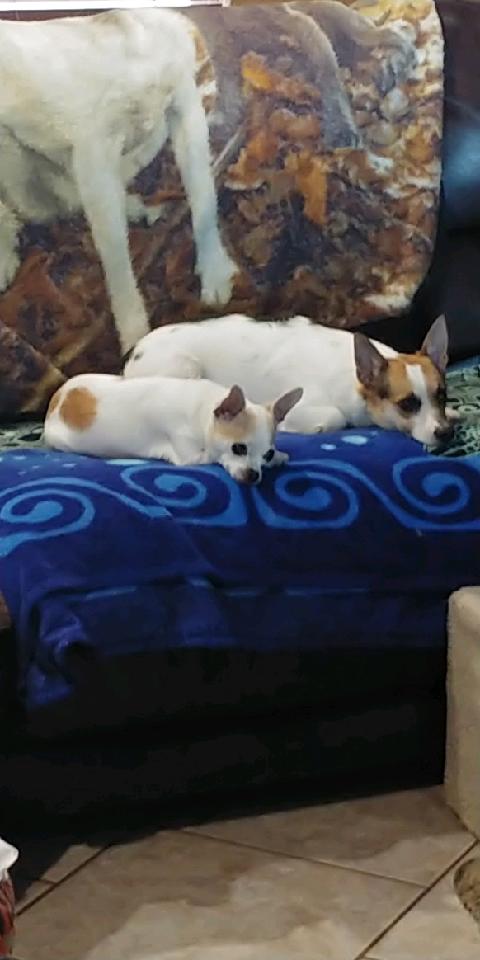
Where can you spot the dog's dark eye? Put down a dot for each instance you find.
(441, 396)
(239, 449)
(269, 455)
(410, 404)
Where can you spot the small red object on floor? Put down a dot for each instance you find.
(8, 856)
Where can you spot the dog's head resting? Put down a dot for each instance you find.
(242, 437)
(407, 392)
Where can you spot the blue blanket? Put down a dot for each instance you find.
(360, 539)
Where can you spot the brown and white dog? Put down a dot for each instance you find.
(183, 421)
(347, 379)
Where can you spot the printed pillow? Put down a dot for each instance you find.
(270, 160)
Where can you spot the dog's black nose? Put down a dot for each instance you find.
(445, 434)
(252, 476)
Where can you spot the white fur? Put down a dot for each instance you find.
(426, 421)
(271, 357)
(85, 104)
(168, 419)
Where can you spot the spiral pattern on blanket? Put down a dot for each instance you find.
(428, 495)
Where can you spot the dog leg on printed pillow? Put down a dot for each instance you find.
(103, 197)
(190, 139)
(344, 25)
(340, 127)
(9, 259)
(138, 210)
(310, 419)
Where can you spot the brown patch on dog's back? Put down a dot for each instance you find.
(79, 408)
(54, 401)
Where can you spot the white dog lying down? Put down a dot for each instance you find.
(184, 422)
(347, 379)
(85, 104)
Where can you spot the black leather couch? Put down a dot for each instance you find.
(240, 724)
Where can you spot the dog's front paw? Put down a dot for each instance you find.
(9, 265)
(138, 211)
(216, 278)
(131, 329)
(279, 460)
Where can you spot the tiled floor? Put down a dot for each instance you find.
(365, 879)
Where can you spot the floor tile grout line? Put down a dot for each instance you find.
(452, 865)
(59, 883)
(332, 863)
(299, 859)
(32, 903)
(415, 902)
(30, 878)
(390, 926)
(422, 889)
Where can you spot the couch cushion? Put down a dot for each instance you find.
(452, 285)
(15, 436)
(462, 773)
(464, 394)
(358, 542)
(5, 618)
(461, 147)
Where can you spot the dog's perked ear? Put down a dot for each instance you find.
(435, 344)
(369, 363)
(284, 404)
(232, 405)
